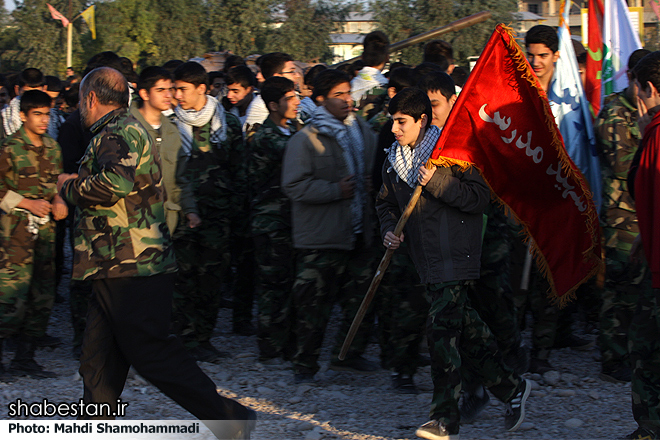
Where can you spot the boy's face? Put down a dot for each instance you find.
(287, 106)
(159, 96)
(441, 107)
(236, 93)
(406, 130)
(36, 120)
(542, 60)
(216, 86)
(338, 101)
(189, 96)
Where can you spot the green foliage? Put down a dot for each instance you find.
(237, 25)
(305, 34)
(401, 19)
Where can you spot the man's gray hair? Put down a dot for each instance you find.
(108, 84)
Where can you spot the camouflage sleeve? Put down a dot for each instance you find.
(260, 161)
(187, 200)
(117, 161)
(8, 198)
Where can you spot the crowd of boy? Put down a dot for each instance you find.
(286, 188)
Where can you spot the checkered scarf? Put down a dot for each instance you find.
(406, 161)
(349, 136)
(11, 116)
(212, 112)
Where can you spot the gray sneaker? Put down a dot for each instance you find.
(434, 430)
(515, 409)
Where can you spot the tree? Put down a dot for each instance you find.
(178, 30)
(305, 34)
(237, 25)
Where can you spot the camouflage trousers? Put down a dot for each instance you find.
(275, 258)
(401, 314)
(202, 264)
(459, 339)
(644, 348)
(324, 277)
(242, 283)
(27, 276)
(623, 282)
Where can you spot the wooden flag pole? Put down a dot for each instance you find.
(380, 272)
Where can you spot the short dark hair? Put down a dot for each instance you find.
(327, 80)
(30, 77)
(34, 99)
(72, 96)
(241, 75)
(103, 59)
(542, 34)
(171, 65)
(412, 101)
(193, 73)
(233, 61)
(634, 58)
(648, 70)
(438, 82)
(273, 63)
(313, 72)
(216, 74)
(275, 88)
(402, 77)
(53, 83)
(376, 48)
(108, 90)
(151, 75)
(435, 49)
(460, 76)
(425, 68)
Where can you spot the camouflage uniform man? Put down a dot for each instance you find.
(369, 87)
(213, 192)
(270, 218)
(618, 137)
(123, 245)
(30, 162)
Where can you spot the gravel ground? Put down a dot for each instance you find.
(571, 403)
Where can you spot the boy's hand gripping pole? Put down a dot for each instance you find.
(382, 267)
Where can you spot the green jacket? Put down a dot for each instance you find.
(120, 219)
(169, 148)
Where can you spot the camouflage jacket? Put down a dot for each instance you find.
(617, 136)
(120, 219)
(270, 209)
(214, 179)
(27, 171)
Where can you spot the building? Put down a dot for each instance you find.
(346, 40)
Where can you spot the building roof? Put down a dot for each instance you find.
(526, 16)
(346, 38)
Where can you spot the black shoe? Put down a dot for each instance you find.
(30, 368)
(472, 404)
(244, 329)
(515, 409)
(540, 366)
(434, 430)
(357, 364)
(303, 378)
(48, 341)
(621, 375)
(574, 343)
(641, 434)
(201, 354)
(403, 384)
(518, 359)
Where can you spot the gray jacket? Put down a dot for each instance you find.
(312, 168)
(444, 230)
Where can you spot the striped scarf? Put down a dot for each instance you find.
(406, 161)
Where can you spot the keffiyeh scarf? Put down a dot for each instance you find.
(406, 161)
(11, 116)
(212, 112)
(349, 136)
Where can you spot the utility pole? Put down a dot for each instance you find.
(69, 37)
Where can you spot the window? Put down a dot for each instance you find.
(533, 8)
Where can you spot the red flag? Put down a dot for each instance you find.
(57, 16)
(594, 56)
(503, 125)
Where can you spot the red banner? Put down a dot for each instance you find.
(593, 86)
(502, 124)
(57, 15)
